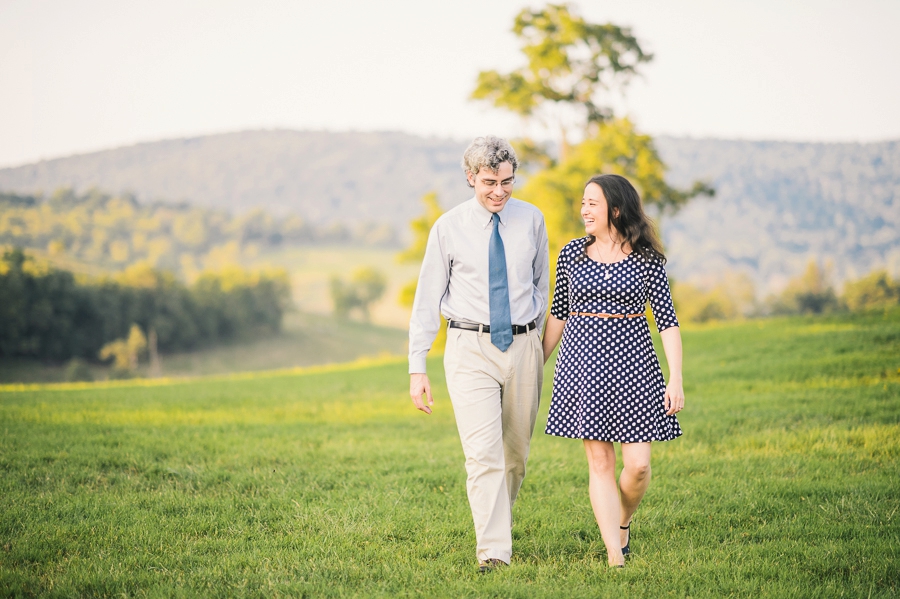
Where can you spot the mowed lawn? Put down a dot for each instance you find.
(785, 484)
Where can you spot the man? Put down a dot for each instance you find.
(486, 270)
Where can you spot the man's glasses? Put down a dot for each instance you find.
(492, 183)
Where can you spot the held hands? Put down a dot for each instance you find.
(674, 397)
(419, 385)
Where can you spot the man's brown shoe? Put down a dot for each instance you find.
(490, 564)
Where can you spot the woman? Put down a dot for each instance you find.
(608, 386)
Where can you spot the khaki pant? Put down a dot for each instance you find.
(495, 399)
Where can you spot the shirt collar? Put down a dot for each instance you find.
(484, 217)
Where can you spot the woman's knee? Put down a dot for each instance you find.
(601, 457)
(638, 468)
(636, 459)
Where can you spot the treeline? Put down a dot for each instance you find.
(51, 314)
(810, 293)
(114, 231)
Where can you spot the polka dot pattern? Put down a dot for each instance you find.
(608, 384)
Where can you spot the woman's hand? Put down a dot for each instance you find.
(674, 397)
(671, 339)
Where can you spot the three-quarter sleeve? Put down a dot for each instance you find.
(560, 305)
(660, 296)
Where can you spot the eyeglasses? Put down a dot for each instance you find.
(505, 184)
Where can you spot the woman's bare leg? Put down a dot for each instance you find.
(633, 482)
(604, 494)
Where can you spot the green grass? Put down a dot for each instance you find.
(330, 484)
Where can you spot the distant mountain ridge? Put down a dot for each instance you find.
(778, 204)
(324, 177)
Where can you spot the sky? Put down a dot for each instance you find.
(90, 75)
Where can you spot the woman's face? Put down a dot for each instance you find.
(594, 211)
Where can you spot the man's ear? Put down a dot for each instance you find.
(615, 212)
(470, 178)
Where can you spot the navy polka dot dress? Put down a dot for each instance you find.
(608, 385)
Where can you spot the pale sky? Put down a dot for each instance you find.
(78, 76)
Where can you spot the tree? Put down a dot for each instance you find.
(366, 286)
(617, 148)
(873, 292)
(808, 293)
(570, 63)
(124, 352)
(731, 298)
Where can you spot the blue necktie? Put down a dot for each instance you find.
(501, 325)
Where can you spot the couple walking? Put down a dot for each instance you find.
(486, 271)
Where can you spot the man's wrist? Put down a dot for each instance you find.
(417, 365)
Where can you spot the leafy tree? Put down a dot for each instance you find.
(617, 148)
(125, 352)
(46, 313)
(116, 231)
(342, 299)
(233, 301)
(810, 293)
(875, 291)
(370, 284)
(570, 64)
(732, 298)
(365, 287)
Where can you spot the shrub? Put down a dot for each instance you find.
(77, 370)
(873, 292)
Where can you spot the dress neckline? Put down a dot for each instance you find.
(627, 256)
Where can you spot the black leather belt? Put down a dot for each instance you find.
(518, 329)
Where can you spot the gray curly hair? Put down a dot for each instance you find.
(488, 151)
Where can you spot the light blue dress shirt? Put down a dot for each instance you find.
(454, 276)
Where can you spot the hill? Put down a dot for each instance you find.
(324, 177)
(778, 204)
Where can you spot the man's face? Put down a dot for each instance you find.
(493, 190)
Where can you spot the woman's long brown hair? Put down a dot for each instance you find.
(625, 212)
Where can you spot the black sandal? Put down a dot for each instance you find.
(626, 550)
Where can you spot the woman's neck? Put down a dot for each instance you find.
(610, 248)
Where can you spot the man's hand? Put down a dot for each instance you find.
(419, 385)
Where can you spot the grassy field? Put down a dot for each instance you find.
(328, 483)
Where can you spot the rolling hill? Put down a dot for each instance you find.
(778, 204)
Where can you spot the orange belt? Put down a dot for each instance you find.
(606, 315)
